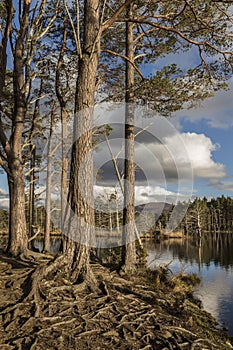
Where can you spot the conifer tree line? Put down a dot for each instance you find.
(204, 215)
(57, 60)
(214, 215)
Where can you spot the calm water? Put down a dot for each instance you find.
(212, 260)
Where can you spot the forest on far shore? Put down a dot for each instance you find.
(202, 215)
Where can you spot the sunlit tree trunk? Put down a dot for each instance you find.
(129, 249)
(32, 177)
(32, 190)
(47, 235)
(117, 213)
(63, 115)
(18, 240)
(81, 197)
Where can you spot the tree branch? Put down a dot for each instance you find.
(110, 21)
(3, 46)
(125, 58)
(181, 35)
(76, 34)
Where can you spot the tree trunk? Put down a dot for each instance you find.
(18, 240)
(109, 214)
(48, 186)
(199, 225)
(129, 247)
(81, 199)
(32, 190)
(65, 167)
(32, 178)
(117, 213)
(48, 206)
(63, 114)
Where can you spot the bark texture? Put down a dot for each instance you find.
(49, 184)
(129, 248)
(81, 219)
(63, 115)
(18, 240)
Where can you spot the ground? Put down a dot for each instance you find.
(122, 313)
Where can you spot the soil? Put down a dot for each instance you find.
(122, 313)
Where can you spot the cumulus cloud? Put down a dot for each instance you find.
(147, 194)
(178, 156)
(200, 150)
(169, 154)
(166, 164)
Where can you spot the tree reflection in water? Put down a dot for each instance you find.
(212, 258)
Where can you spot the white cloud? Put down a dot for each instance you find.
(147, 194)
(216, 110)
(106, 191)
(169, 166)
(178, 156)
(143, 194)
(199, 148)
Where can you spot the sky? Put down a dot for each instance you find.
(212, 126)
(207, 135)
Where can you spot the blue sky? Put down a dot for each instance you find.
(214, 119)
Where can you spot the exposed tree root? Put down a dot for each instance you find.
(41, 309)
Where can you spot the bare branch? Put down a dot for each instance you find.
(125, 58)
(142, 130)
(120, 182)
(35, 235)
(3, 46)
(78, 28)
(110, 21)
(114, 163)
(103, 10)
(76, 34)
(59, 65)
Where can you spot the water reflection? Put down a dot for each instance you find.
(212, 260)
(55, 244)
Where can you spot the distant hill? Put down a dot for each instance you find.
(154, 207)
